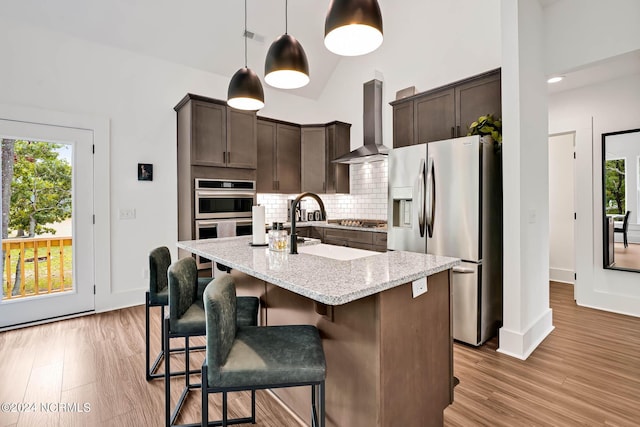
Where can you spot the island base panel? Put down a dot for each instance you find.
(389, 356)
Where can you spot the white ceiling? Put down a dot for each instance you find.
(207, 34)
(601, 71)
(203, 34)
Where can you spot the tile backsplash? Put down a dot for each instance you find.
(368, 198)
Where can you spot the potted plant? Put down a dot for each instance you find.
(487, 126)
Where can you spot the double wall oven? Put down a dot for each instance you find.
(218, 203)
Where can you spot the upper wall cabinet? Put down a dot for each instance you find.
(220, 135)
(446, 112)
(314, 159)
(278, 157)
(320, 145)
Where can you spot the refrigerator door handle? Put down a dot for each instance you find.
(431, 196)
(463, 270)
(421, 198)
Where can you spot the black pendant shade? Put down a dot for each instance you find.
(286, 66)
(353, 27)
(245, 90)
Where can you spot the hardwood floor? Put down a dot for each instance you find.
(628, 257)
(586, 373)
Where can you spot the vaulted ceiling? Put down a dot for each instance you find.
(203, 34)
(207, 34)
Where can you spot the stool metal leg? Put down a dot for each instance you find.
(151, 370)
(205, 397)
(167, 375)
(314, 413)
(253, 406)
(146, 337)
(224, 409)
(322, 401)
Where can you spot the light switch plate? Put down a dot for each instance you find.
(127, 213)
(419, 287)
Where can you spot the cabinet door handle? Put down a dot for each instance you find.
(453, 132)
(228, 157)
(458, 131)
(324, 186)
(277, 185)
(273, 185)
(224, 157)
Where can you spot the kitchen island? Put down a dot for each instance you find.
(389, 354)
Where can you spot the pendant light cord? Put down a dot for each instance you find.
(245, 33)
(286, 16)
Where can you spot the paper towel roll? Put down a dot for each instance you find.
(258, 225)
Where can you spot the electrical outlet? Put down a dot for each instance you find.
(127, 213)
(419, 287)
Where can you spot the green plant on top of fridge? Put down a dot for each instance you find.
(487, 125)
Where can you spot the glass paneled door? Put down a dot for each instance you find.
(47, 222)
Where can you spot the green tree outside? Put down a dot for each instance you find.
(41, 188)
(615, 200)
(36, 191)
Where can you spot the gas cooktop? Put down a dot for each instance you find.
(360, 223)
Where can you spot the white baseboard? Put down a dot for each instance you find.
(521, 344)
(561, 275)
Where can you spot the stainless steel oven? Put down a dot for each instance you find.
(208, 229)
(219, 199)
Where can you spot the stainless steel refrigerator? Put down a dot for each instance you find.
(445, 198)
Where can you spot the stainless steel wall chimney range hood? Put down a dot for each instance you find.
(372, 150)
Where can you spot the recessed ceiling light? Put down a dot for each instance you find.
(555, 79)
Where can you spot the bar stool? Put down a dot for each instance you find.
(186, 319)
(253, 358)
(158, 296)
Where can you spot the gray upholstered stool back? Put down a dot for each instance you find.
(159, 262)
(220, 306)
(183, 289)
(253, 358)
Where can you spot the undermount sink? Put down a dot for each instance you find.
(340, 253)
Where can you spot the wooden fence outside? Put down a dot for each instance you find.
(30, 254)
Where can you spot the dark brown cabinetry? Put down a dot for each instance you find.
(312, 232)
(278, 168)
(314, 159)
(241, 139)
(213, 141)
(369, 240)
(338, 144)
(219, 135)
(446, 112)
(320, 145)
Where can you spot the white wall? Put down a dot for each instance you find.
(561, 210)
(136, 94)
(591, 111)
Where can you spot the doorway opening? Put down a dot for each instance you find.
(562, 214)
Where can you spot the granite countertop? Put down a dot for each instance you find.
(325, 280)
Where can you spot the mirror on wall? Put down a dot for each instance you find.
(621, 199)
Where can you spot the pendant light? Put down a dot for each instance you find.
(353, 27)
(245, 90)
(286, 66)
